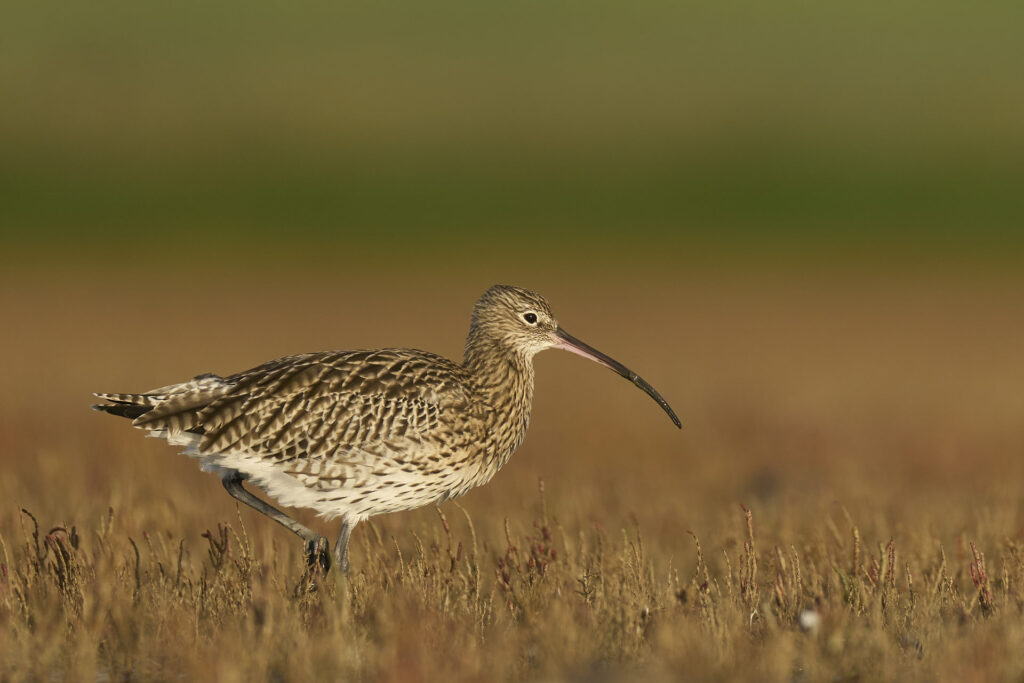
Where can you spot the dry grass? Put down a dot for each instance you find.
(870, 430)
(542, 602)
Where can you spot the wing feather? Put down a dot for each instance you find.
(321, 405)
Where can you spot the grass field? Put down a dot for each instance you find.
(850, 452)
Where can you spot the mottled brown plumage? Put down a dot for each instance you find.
(354, 434)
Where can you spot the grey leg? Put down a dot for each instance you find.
(341, 545)
(317, 549)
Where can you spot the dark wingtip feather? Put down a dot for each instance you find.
(127, 410)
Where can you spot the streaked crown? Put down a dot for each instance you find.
(514, 318)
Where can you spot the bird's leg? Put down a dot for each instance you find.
(317, 548)
(341, 545)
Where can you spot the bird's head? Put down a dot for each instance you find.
(521, 322)
(516, 319)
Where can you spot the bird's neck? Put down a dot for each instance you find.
(504, 381)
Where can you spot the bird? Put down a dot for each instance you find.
(354, 434)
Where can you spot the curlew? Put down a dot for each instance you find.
(353, 434)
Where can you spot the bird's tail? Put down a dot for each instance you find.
(132, 406)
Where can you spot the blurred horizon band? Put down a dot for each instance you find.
(673, 132)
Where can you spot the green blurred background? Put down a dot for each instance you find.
(380, 134)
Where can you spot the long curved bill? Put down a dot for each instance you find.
(568, 342)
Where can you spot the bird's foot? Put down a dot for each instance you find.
(318, 555)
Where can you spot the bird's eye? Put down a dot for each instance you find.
(530, 318)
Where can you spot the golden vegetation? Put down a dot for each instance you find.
(544, 601)
(843, 503)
